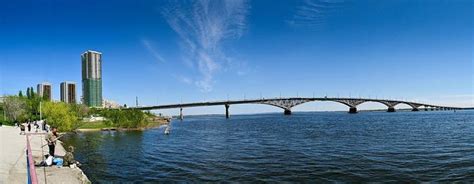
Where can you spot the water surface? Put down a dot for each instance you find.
(303, 147)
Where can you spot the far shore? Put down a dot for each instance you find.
(100, 126)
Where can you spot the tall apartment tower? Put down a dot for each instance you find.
(92, 78)
(44, 90)
(68, 92)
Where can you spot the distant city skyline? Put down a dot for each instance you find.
(168, 53)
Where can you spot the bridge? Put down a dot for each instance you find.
(288, 103)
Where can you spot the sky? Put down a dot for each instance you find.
(188, 51)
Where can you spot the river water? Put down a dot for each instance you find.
(304, 147)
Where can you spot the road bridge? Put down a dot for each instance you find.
(288, 103)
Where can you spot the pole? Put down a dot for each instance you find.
(41, 113)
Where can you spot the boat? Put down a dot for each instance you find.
(167, 130)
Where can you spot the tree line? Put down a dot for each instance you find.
(66, 117)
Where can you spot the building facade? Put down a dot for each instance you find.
(92, 78)
(68, 92)
(44, 91)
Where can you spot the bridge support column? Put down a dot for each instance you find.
(287, 112)
(415, 109)
(353, 110)
(391, 109)
(227, 114)
(181, 116)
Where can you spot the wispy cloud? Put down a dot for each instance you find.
(203, 26)
(146, 43)
(313, 13)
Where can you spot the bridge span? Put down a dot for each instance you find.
(288, 103)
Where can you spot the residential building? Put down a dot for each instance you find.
(44, 90)
(92, 78)
(68, 92)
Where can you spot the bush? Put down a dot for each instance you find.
(60, 115)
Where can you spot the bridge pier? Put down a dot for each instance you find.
(287, 112)
(352, 110)
(391, 109)
(181, 116)
(227, 114)
(415, 109)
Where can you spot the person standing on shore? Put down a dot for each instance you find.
(43, 123)
(51, 139)
(29, 126)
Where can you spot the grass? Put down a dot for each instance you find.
(94, 125)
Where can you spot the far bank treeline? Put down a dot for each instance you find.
(67, 117)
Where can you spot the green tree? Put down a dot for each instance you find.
(60, 115)
(80, 110)
(15, 108)
(28, 93)
(20, 94)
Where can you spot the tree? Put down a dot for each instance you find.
(28, 93)
(33, 94)
(60, 115)
(20, 94)
(80, 110)
(15, 108)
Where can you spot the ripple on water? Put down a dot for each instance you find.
(304, 147)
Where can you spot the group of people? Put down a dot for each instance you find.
(51, 138)
(36, 124)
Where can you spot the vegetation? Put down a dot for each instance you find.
(68, 117)
(128, 118)
(95, 125)
(60, 115)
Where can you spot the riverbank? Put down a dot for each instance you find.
(102, 126)
(13, 162)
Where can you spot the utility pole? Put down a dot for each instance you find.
(41, 113)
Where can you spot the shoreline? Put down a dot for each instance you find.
(155, 124)
(13, 160)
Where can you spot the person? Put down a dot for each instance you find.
(36, 126)
(44, 125)
(69, 157)
(22, 129)
(51, 139)
(29, 126)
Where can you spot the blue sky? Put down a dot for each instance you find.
(172, 51)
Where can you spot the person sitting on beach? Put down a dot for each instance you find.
(51, 139)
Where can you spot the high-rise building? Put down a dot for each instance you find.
(68, 92)
(44, 91)
(92, 78)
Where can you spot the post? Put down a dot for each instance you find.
(391, 109)
(287, 112)
(227, 114)
(181, 116)
(41, 113)
(352, 110)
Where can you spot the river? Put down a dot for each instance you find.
(304, 147)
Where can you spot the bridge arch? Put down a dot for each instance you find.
(372, 105)
(327, 104)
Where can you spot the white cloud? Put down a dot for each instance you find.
(152, 50)
(313, 13)
(203, 26)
